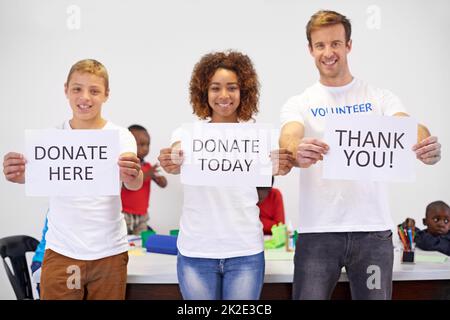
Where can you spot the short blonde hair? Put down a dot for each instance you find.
(93, 67)
(324, 18)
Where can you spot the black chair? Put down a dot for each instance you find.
(15, 248)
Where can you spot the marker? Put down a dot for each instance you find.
(410, 238)
(402, 239)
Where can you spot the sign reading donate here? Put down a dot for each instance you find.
(373, 148)
(226, 154)
(72, 162)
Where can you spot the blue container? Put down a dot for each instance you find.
(162, 244)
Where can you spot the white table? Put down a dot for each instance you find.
(158, 271)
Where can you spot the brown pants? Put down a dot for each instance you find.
(64, 278)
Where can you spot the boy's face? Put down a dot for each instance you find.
(438, 222)
(143, 143)
(329, 50)
(86, 93)
(224, 96)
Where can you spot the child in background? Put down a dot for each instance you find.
(87, 248)
(38, 256)
(135, 203)
(271, 208)
(220, 244)
(437, 235)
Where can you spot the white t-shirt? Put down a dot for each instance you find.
(339, 205)
(219, 222)
(89, 228)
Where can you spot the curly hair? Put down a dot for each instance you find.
(247, 81)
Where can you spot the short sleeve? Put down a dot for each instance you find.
(291, 111)
(127, 141)
(177, 135)
(391, 104)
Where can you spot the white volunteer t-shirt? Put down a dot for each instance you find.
(89, 228)
(219, 222)
(339, 205)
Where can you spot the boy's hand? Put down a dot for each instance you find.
(309, 151)
(428, 150)
(154, 171)
(14, 167)
(282, 161)
(171, 160)
(130, 168)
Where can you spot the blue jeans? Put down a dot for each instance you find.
(35, 265)
(239, 278)
(368, 258)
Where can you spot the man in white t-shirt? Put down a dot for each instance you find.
(342, 223)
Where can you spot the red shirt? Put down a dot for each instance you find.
(271, 210)
(136, 202)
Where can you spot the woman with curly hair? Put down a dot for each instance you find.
(220, 244)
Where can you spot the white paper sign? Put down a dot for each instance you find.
(226, 154)
(371, 148)
(72, 162)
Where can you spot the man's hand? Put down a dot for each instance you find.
(310, 150)
(428, 150)
(282, 162)
(171, 160)
(14, 167)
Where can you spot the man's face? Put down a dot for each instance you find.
(438, 222)
(330, 49)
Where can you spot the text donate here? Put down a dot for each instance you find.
(72, 162)
(70, 153)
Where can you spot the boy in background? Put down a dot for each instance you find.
(437, 235)
(271, 208)
(135, 202)
(38, 256)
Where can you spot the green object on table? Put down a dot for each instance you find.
(430, 258)
(145, 235)
(278, 254)
(174, 232)
(295, 237)
(279, 237)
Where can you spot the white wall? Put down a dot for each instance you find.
(150, 48)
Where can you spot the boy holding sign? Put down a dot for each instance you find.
(343, 223)
(221, 249)
(86, 255)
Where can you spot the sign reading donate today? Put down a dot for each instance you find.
(226, 154)
(371, 148)
(72, 162)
